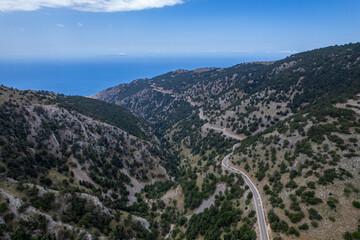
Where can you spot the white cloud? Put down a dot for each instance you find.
(60, 25)
(86, 5)
(80, 24)
(120, 54)
(288, 51)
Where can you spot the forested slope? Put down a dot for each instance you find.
(66, 164)
(301, 118)
(80, 167)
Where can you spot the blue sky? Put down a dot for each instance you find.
(37, 29)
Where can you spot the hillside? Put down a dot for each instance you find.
(300, 116)
(262, 150)
(75, 163)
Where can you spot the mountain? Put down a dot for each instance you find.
(71, 164)
(261, 150)
(300, 118)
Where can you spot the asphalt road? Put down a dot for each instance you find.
(256, 199)
(258, 206)
(264, 235)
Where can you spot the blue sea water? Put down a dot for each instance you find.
(88, 76)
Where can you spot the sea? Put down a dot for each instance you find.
(86, 77)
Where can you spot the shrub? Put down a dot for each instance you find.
(315, 224)
(251, 214)
(347, 192)
(332, 202)
(295, 206)
(3, 207)
(309, 198)
(347, 236)
(311, 185)
(299, 191)
(45, 202)
(336, 139)
(314, 215)
(272, 217)
(292, 184)
(295, 217)
(304, 226)
(356, 235)
(182, 221)
(292, 230)
(19, 235)
(356, 204)
(9, 217)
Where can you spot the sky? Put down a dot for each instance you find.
(31, 29)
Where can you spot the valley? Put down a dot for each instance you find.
(260, 150)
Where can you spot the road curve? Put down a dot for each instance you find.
(264, 235)
(256, 199)
(224, 131)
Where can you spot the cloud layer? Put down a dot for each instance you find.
(86, 5)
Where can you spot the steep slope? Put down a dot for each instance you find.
(308, 170)
(246, 98)
(87, 161)
(80, 167)
(301, 118)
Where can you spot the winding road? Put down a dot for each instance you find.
(256, 199)
(224, 131)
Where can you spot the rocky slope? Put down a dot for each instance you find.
(80, 157)
(246, 98)
(83, 168)
(301, 118)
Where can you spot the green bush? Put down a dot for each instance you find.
(45, 202)
(20, 235)
(356, 235)
(293, 231)
(336, 139)
(311, 184)
(347, 236)
(332, 202)
(304, 226)
(9, 217)
(295, 217)
(356, 204)
(315, 224)
(309, 198)
(314, 215)
(3, 207)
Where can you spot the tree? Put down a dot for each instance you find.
(19, 234)
(356, 204)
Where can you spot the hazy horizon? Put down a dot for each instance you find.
(192, 28)
(82, 47)
(87, 76)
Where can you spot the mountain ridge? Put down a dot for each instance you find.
(169, 166)
(262, 100)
